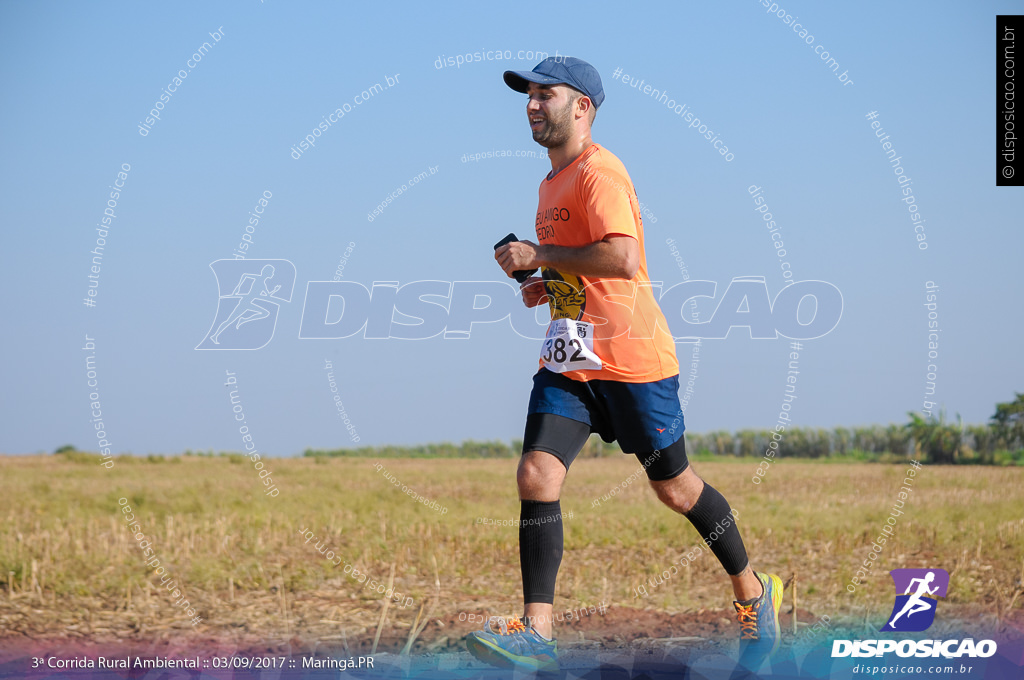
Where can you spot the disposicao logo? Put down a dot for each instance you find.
(914, 610)
(251, 293)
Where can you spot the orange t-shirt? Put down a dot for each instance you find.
(592, 198)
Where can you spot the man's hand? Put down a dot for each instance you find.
(534, 292)
(516, 256)
(616, 256)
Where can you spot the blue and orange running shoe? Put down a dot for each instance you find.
(513, 644)
(760, 635)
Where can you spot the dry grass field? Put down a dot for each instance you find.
(70, 569)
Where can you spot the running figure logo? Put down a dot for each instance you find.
(914, 610)
(247, 316)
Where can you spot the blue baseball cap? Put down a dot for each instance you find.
(560, 70)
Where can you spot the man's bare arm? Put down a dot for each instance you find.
(616, 256)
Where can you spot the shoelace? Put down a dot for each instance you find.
(747, 617)
(511, 626)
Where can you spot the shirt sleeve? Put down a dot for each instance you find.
(606, 196)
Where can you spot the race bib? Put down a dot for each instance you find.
(569, 346)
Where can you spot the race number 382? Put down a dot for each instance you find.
(569, 346)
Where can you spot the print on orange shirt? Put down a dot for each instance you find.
(566, 295)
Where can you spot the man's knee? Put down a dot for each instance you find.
(540, 476)
(676, 499)
(680, 493)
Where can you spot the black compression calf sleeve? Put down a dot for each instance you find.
(712, 517)
(540, 549)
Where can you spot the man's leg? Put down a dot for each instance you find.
(709, 513)
(540, 477)
(648, 421)
(550, 444)
(758, 596)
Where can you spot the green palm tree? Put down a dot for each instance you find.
(934, 438)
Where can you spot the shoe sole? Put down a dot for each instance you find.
(776, 587)
(496, 656)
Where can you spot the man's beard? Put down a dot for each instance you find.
(557, 130)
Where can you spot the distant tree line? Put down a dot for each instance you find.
(930, 440)
(467, 449)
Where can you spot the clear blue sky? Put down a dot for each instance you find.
(78, 79)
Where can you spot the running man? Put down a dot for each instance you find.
(250, 302)
(605, 367)
(914, 603)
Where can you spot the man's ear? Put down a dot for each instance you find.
(584, 108)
